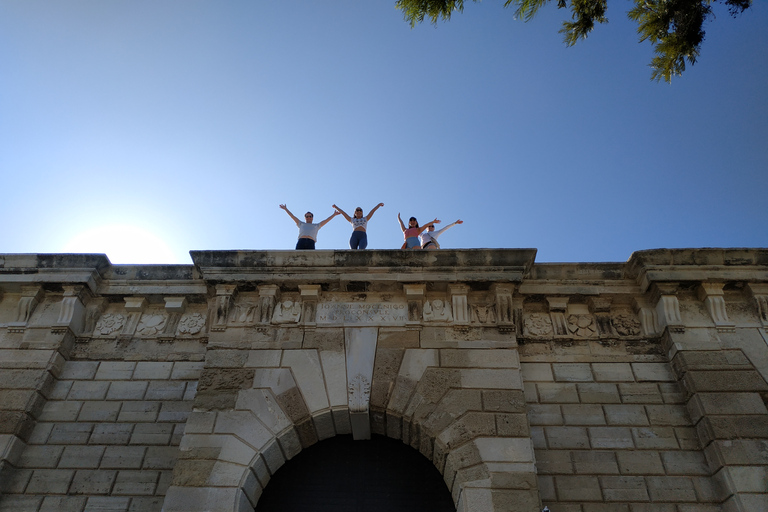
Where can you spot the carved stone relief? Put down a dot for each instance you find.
(582, 326)
(626, 324)
(109, 324)
(483, 314)
(191, 324)
(538, 324)
(151, 324)
(287, 312)
(437, 311)
(359, 393)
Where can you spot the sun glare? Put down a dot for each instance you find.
(123, 244)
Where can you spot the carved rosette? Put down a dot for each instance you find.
(626, 324)
(151, 324)
(582, 326)
(359, 393)
(538, 324)
(109, 324)
(191, 324)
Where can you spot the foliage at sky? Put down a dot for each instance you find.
(146, 129)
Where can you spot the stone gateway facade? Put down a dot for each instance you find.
(629, 387)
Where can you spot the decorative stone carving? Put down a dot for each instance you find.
(310, 294)
(359, 393)
(538, 324)
(151, 324)
(191, 324)
(648, 317)
(668, 307)
(414, 294)
(30, 298)
(505, 307)
(483, 313)
(557, 309)
(582, 326)
(93, 312)
(109, 324)
(601, 309)
(712, 295)
(134, 306)
(760, 294)
(459, 302)
(225, 294)
(245, 313)
(70, 314)
(287, 312)
(356, 313)
(267, 299)
(175, 307)
(437, 311)
(626, 324)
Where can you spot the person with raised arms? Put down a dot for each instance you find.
(307, 230)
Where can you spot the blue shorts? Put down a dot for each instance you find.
(305, 243)
(412, 242)
(358, 240)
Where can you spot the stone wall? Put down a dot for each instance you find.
(583, 387)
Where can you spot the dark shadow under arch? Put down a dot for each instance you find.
(342, 475)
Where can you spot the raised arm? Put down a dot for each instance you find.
(326, 221)
(425, 226)
(402, 226)
(349, 219)
(297, 221)
(370, 214)
(439, 231)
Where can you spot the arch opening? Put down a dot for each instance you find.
(343, 475)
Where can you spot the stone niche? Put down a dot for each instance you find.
(627, 386)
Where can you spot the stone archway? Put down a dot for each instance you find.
(343, 475)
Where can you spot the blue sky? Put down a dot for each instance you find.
(146, 129)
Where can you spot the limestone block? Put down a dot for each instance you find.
(87, 481)
(737, 452)
(264, 405)
(462, 457)
(111, 433)
(307, 370)
(640, 393)
(653, 372)
(335, 372)
(546, 414)
(16, 503)
(123, 457)
(673, 415)
(99, 411)
(537, 372)
(152, 434)
(625, 414)
(479, 358)
(572, 372)
(174, 411)
(39, 359)
(547, 488)
(150, 503)
(578, 488)
(598, 393)
(610, 437)
(226, 474)
(107, 503)
(538, 438)
(81, 457)
(88, 390)
(385, 369)
(251, 487)
(743, 479)
(654, 438)
(454, 404)
(470, 426)
(289, 443)
(62, 504)
(127, 390)
(203, 499)
(60, 411)
(594, 462)
(184, 370)
(222, 358)
(115, 370)
(60, 390)
(624, 488)
(583, 414)
(324, 427)
(191, 392)
(475, 499)
(40, 434)
(612, 372)
(670, 488)
(245, 426)
(154, 370)
(70, 433)
(512, 425)
(40, 456)
(557, 393)
(279, 380)
(574, 438)
(685, 463)
(135, 483)
(504, 400)
(746, 502)
(263, 358)
(166, 390)
(639, 462)
(491, 378)
(139, 412)
(672, 393)
(553, 462)
(227, 447)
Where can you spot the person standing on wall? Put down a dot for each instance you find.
(429, 237)
(412, 232)
(359, 238)
(307, 230)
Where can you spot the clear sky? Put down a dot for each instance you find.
(144, 129)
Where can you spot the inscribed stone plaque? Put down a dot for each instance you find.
(355, 313)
